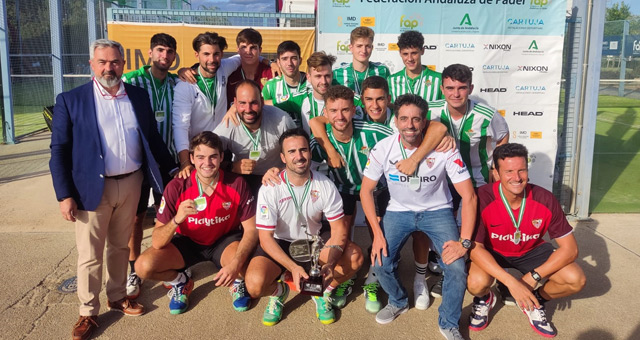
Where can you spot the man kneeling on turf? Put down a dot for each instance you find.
(514, 215)
(292, 210)
(199, 220)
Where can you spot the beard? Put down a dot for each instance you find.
(108, 79)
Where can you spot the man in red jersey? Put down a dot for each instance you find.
(514, 216)
(199, 220)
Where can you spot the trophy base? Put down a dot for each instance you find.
(312, 286)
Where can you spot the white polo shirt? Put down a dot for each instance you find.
(433, 170)
(274, 123)
(277, 211)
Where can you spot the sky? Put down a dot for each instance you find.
(267, 6)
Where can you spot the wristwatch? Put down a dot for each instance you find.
(466, 243)
(535, 275)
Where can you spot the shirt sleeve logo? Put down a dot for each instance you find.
(459, 162)
(264, 211)
(162, 205)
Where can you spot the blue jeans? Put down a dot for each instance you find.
(441, 227)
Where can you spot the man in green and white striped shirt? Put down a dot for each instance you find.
(353, 74)
(279, 89)
(159, 83)
(475, 126)
(415, 78)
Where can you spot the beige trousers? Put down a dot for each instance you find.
(111, 222)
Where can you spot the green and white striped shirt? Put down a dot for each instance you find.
(347, 76)
(161, 95)
(355, 153)
(475, 133)
(426, 86)
(277, 89)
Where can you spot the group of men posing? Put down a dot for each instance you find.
(411, 146)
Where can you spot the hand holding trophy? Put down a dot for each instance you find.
(309, 251)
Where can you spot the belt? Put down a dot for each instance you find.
(123, 176)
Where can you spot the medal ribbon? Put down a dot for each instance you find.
(346, 157)
(209, 91)
(355, 78)
(200, 186)
(305, 193)
(314, 105)
(404, 156)
(163, 91)
(417, 85)
(508, 207)
(457, 133)
(285, 86)
(254, 140)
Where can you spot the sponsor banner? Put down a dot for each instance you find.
(135, 37)
(514, 48)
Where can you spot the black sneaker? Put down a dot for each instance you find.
(507, 299)
(434, 265)
(436, 289)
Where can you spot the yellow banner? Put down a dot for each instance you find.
(135, 38)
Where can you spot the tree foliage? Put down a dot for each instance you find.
(619, 11)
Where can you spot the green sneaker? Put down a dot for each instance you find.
(371, 304)
(324, 311)
(339, 295)
(273, 313)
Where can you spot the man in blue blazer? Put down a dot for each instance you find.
(104, 143)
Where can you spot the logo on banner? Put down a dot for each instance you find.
(348, 21)
(430, 47)
(466, 25)
(393, 47)
(636, 47)
(501, 112)
(368, 21)
(525, 23)
(528, 113)
(531, 89)
(533, 49)
(408, 23)
(536, 134)
(459, 46)
(493, 89)
(502, 47)
(539, 4)
(340, 3)
(536, 68)
(342, 47)
(495, 68)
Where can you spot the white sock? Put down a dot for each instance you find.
(371, 276)
(421, 271)
(181, 278)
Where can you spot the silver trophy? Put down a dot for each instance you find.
(309, 251)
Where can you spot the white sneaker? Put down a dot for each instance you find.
(420, 295)
(538, 321)
(133, 286)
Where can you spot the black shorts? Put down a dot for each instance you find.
(527, 262)
(193, 253)
(284, 245)
(381, 199)
(143, 203)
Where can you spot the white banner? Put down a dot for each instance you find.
(513, 46)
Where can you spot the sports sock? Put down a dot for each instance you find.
(541, 300)
(181, 278)
(279, 289)
(132, 266)
(421, 271)
(371, 276)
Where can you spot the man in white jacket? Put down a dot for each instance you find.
(201, 106)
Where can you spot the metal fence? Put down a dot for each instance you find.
(31, 41)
